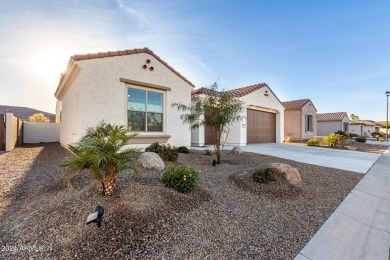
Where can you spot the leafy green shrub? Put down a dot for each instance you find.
(361, 139)
(333, 139)
(313, 142)
(183, 149)
(263, 175)
(166, 152)
(181, 178)
(207, 152)
(353, 135)
(376, 134)
(343, 133)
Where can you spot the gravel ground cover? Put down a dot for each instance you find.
(350, 144)
(228, 216)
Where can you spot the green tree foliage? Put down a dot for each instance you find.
(216, 109)
(333, 139)
(100, 153)
(39, 118)
(354, 117)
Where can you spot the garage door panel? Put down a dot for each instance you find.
(261, 127)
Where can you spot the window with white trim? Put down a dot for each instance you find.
(309, 123)
(144, 110)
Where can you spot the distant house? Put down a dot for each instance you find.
(300, 119)
(131, 87)
(332, 122)
(262, 123)
(24, 113)
(364, 127)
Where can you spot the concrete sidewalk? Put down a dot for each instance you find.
(360, 227)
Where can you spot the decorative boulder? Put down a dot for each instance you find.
(237, 150)
(290, 174)
(150, 160)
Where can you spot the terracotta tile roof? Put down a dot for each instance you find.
(364, 122)
(24, 112)
(124, 53)
(331, 116)
(240, 92)
(294, 104)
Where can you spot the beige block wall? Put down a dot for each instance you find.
(41, 132)
(328, 127)
(98, 94)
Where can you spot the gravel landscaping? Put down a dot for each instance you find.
(353, 145)
(227, 216)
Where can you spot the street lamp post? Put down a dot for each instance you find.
(387, 115)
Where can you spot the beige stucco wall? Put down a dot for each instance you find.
(238, 131)
(356, 129)
(70, 127)
(327, 127)
(97, 94)
(41, 132)
(293, 123)
(308, 108)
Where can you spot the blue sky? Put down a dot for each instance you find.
(337, 53)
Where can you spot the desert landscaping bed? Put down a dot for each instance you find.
(227, 216)
(353, 145)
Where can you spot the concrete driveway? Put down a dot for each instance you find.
(340, 159)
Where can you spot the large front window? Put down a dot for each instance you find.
(144, 110)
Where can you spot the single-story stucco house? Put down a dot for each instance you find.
(24, 113)
(300, 119)
(328, 123)
(263, 119)
(132, 87)
(364, 127)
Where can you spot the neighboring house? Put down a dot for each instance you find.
(300, 119)
(24, 113)
(262, 123)
(364, 127)
(332, 122)
(132, 87)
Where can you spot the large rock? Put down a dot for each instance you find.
(236, 150)
(290, 174)
(150, 160)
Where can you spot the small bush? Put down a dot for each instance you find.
(287, 138)
(361, 139)
(353, 135)
(263, 176)
(207, 152)
(313, 142)
(333, 139)
(166, 152)
(376, 134)
(181, 178)
(183, 149)
(381, 139)
(343, 133)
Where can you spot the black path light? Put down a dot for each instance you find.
(387, 116)
(96, 217)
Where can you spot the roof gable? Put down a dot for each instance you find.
(331, 116)
(110, 54)
(297, 104)
(24, 112)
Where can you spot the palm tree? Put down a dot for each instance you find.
(100, 154)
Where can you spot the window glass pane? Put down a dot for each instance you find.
(155, 122)
(136, 121)
(155, 101)
(136, 99)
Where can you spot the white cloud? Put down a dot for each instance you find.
(131, 12)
